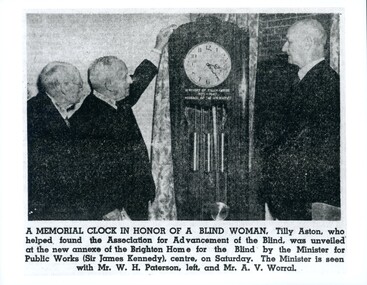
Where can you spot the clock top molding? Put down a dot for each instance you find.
(205, 28)
(206, 60)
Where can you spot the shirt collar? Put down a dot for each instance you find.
(303, 71)
(63, 111)
(104, 98)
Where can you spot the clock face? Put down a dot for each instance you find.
(207, 64)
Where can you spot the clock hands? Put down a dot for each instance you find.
(215, 66)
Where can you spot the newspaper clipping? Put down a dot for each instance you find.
(185, 142)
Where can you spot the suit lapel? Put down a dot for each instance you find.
(313, 74)
(52, 117)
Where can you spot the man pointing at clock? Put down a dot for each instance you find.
(115, 168)
(304, 165)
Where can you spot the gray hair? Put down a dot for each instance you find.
(312, 28)
(103, 70)
(57, 76)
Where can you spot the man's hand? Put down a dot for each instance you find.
(163, 36)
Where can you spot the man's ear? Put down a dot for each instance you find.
(109, 85)
(64, 88)
(57, 88)
(308, 42)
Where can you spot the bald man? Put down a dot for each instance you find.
(304, 165)
(52, 183)
(116, 166)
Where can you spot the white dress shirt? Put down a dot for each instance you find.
(65, 114)
(106, 99)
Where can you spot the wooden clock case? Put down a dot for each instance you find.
(209, 126)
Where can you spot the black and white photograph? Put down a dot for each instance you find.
(183, 145)
(240, 112)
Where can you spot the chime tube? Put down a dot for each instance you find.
(208, 152)
(216, 153)
(222, 152)
(195, 167)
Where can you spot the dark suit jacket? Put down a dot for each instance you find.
(52, 183)
(303, 165)
(114, 164)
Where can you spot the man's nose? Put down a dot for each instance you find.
(285, 47)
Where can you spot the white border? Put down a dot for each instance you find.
(12, 104)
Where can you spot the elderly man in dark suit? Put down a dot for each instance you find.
(303, 166)
(116, 166)
(52, 183)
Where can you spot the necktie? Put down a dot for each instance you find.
(67, 122)
(120, 105)
(295, 82)
(70, 108)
